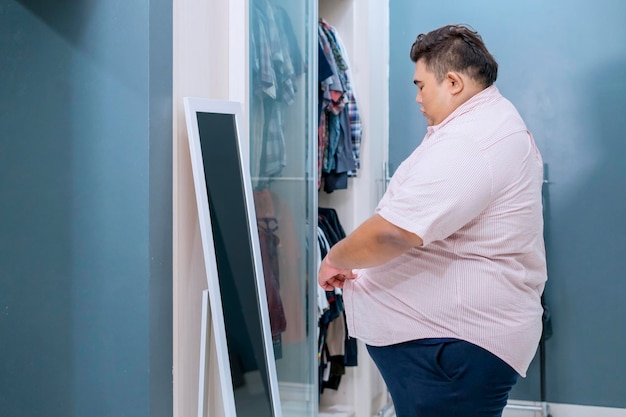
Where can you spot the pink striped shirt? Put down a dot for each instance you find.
(472, 191)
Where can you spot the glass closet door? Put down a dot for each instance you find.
(283, 154)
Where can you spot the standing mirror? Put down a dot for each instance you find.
(236, 287)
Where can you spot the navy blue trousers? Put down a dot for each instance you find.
(444, 378)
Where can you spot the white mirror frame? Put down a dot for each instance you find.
(194, 105)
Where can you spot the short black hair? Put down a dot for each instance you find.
(455, 48)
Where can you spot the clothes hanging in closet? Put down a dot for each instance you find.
(276, 62)
(336, 349)
(339, 127)
(280, 253)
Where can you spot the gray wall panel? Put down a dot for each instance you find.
(85, 179)
(562, 64)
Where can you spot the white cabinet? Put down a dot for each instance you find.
(364, 29)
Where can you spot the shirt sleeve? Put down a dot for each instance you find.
(445, 187)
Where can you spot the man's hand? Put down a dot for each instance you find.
(330, 277)
(375, 242)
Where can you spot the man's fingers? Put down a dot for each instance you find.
(335, 281)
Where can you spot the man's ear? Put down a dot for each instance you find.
(455, 82)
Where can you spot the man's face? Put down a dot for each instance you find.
(433, 96)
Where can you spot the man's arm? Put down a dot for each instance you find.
(373, 243)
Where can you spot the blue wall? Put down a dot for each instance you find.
(563, 63)
(85, 208)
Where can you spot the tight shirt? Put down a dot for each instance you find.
(472, 191)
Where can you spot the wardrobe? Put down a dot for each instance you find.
(363, 28)
(216, 55)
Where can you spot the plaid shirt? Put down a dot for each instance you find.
(338, 97)
(274, 50)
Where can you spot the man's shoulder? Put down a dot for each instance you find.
(494, 118)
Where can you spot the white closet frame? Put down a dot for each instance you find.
(363, 26)
(206, 32)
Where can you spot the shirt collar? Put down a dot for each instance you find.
(475, 101)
